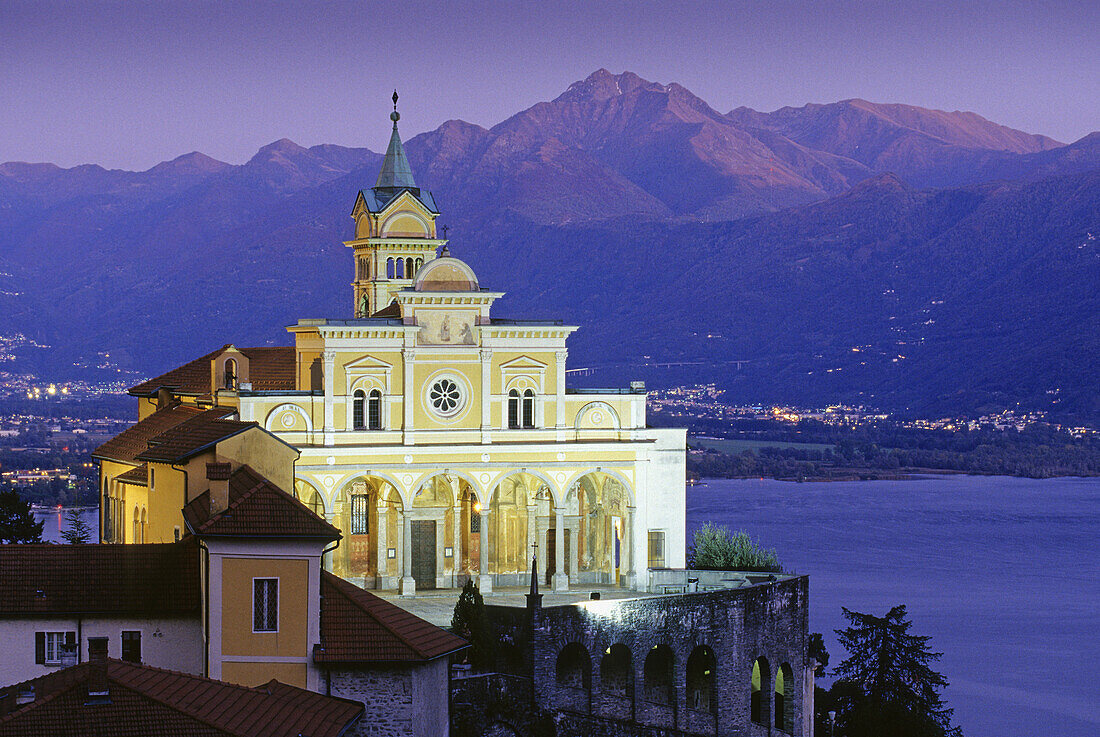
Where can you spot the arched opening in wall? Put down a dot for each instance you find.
(389, 268)
(399, 266)
(758, 700)
(366, 511)
(784, 698)
(659, 685)
(513, 409)
(306, 494)
(508, 526)
(144, 525)
(528, 408)
(433, 530)
(700, 680)
(358, 410)
(510, 659)
(616, 671)
(374, 410)
(599, 501)
(500, 729)
(574, 667)
(409, 271)
(419, 263)
(137, 526)
(230, 373)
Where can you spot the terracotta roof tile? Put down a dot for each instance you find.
(269, 369)
(192, 436)
(127, 444)
(138, 476)
(102, 579)
(146, 700)
(256, 508)
(359, 627)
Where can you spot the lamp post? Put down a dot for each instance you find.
(832, 724)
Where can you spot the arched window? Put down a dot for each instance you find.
(784, 698)
(658, 685)
(419, 263)
(700, 680)
(513, 409)
(616, 670)
(528, 408)
(137, 525)
(357, 416)
(399, 267)
(374, 410)
(144, 524)
(758, 702)
(230, 373)
(409, 273)
(389, 268)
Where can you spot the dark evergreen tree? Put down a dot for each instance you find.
(886, 685)
(470, 621)
(17, 524)
(77, 530)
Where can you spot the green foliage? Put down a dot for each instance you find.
(17, 524)
(77, 530)
(715, 548)
(470, 621)
(886, 685)
(817, 650)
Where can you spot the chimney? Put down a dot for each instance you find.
(98, 689)
(218, 476)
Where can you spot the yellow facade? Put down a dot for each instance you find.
(443, 441)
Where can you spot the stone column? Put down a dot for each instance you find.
(408, 401)
(486, 395)
(484, 578)
(408, 585)
(456, 538)
(532, 536)
(630, 547)
(328, 359)
(382, 566)
(560, 581)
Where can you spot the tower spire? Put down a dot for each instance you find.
(396, 172)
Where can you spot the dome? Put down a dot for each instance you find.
(446, 274)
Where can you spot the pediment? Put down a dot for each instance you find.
(405, 201)
(523, 363)
(367, 363)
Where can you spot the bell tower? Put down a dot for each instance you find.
(395, 232)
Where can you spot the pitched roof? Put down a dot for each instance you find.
(193, 436)
(359, 627)
(138, 476)
(127, 444)
(269, 369)
(144, 700)
(257, 508)
(102, 579)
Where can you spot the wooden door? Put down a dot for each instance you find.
(423, 553)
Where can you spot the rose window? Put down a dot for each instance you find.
(445, 396)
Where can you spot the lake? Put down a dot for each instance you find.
(1003, 573)
(53, 523)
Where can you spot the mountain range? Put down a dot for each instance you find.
(911, 259)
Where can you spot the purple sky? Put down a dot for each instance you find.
(128, 84)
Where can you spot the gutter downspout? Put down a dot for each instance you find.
(205, 611)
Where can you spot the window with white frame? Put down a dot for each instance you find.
(48, 646)
(265, 605)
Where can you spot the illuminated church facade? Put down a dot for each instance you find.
(440, 439)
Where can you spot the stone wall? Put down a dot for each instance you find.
(400, 700)
(588, 662)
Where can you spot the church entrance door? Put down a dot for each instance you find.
(423, 553)
(551, 556)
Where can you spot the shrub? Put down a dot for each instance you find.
(715, 548)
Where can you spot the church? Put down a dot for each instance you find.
(440, 439)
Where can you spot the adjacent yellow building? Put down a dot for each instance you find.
(440, 439)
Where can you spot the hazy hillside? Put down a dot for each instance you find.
(634, 209)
